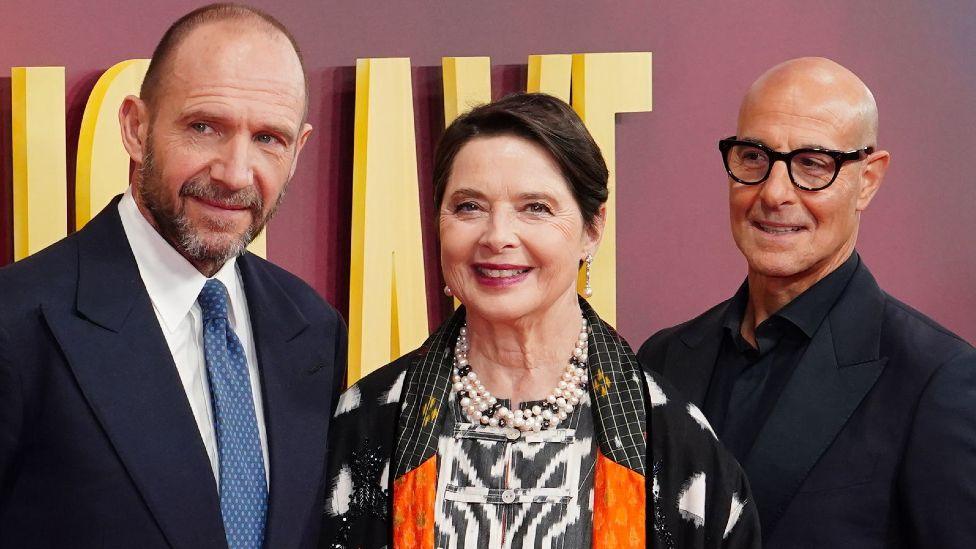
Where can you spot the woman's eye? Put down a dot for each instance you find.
(465, 207)
(538, 208)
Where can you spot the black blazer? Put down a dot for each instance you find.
(873, 440)
(98, 446)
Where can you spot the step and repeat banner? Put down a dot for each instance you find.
(357, 223)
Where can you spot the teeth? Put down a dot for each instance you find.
(777, 230)
(501, 273)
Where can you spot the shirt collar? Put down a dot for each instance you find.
(172, 282)
(807, 310)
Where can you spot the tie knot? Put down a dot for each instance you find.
(213, 300)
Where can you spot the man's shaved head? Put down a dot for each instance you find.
(165, 51)
(790, 235)
(820, 84)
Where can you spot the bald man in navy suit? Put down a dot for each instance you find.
(853, 414)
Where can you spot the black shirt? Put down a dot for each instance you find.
(747, 380)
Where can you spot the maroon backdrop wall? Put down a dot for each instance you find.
(675, 255)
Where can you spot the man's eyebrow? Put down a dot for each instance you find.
(219, 115)
(280, 129)
(802, 145)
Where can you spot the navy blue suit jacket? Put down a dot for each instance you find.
(872, 442)
(98, 446)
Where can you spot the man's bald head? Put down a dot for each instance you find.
(165, 52)
(804, 121)
(823, 87)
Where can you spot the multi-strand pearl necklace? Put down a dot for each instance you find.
(481, 408)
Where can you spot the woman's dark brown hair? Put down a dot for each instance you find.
(544, 120)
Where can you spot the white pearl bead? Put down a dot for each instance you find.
(562, 398)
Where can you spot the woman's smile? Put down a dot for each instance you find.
(500, 275)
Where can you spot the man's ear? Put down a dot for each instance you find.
(593, 234)
(299, 145)
(872, 174)
(134, 121)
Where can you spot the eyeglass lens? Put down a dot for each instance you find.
(809, 169)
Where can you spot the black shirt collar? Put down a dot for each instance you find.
(807, 311)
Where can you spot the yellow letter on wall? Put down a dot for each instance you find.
(387, 295)
(603, 85)
(550, 74)
(40, 173)
(467, 84)
(103, 164)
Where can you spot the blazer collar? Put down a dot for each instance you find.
(838, 369)
(113, 344)
(689, 364)
(297, 392)
(116, 348)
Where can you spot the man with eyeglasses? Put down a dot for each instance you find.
(853, 415)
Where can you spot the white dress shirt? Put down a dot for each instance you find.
(174, 285)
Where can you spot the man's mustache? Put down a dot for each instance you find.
(247, 197)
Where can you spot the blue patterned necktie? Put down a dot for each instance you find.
(243, 490)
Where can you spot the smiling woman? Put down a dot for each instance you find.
(525, 419)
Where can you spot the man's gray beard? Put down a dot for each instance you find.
(174, 226)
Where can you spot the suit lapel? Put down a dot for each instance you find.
(840, 366)
(118, 354)
(296, 394)
(690, 363)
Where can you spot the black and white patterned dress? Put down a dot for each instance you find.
(502, 488)
(537, 490)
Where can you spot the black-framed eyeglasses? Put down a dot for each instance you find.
(810, 169)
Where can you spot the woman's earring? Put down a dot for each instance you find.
(447, 291)
(588, 290)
